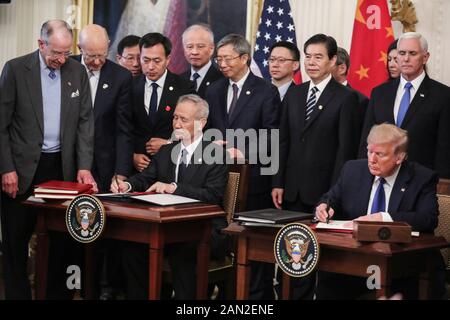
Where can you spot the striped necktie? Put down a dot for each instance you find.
(311, 103)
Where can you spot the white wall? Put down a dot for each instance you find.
(335, 18)
(20, 22)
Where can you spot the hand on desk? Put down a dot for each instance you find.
(160, 187)
(321, 213)
(118, 185)
(85, 176)
(277, 197)
(371, 217)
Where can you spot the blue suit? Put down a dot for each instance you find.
(413, 198)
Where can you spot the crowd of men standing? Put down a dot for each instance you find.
(88, 119)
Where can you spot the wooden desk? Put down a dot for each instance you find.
(339, 253)
(153, 225)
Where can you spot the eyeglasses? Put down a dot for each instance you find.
(57, 54)
(94, 56)
(219, 60)
(130, 59)
(279, 60)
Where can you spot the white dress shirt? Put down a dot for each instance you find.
(149, 89)
(388, 185)
(201, 72)
(190, 151)
(94, 77)
(401, 90)
(283, 89)
(240, 84)
(320, 87)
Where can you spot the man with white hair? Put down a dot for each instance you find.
(198, 45)
(416, 103)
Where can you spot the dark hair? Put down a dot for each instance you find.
(392, 46)
(290, 46)
(328, 41)
(343, 58)
(153, 38)
(128, 41)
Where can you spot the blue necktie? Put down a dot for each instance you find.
(153, 103)
(195, 76)
(379, 200)
(182, 166)
(311, 103)
(52, 73)
(404, 104)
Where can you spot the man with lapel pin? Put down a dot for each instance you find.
(244, 101)
(319, 131)
(154, 97)
(46, 133)
(384, 187)
(416, 103)
(198, 44)
(180, 169)
(110, 86)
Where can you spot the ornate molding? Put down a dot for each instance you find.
(405, 12)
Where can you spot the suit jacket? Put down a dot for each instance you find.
(212, 75)
(256, 108)
(22, 119)
(174, 87)
(413, 198)
(363, 103)
(427, 122)
(114, 140)
(312, 153)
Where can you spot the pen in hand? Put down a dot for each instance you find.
(327, 209)
(117, 182)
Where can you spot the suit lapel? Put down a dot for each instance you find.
(386, 106)
(222, 94)
(66, 91)
(301, 111)
(35, 88)
(365, 190)
(244, 97)
(417, 102)
(168, 92)
(321, 104)
(102, 89)
(194, 163)
(400, 186)
(140, 99)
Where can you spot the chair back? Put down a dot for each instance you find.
(235, 197)
(443, 228)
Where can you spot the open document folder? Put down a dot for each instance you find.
(161, 199)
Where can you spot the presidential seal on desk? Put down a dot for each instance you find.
(296, 249)
(85, 218)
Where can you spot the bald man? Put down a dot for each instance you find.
(113, 143)
(110, 94)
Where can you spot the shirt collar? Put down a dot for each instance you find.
(391, 179)
(240, 83)
(415, 83)
(44, 66)
(191, 148)
(284, 88)
(95, 73)
(202, 71)
(321, 85)
(159, 82)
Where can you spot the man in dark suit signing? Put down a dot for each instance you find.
(416, 103)
(384, 187)
(182, 169)
(46, 133)
(154, 97)
(198, 44)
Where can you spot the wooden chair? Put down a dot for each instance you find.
(443, 228)
(443, 187)
(234, 200)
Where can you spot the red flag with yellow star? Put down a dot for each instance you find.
(372, 35)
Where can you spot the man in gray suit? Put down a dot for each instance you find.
(46, 133)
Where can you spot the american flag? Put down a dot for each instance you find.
(276, 24)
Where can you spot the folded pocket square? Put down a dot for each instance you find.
(75, 94)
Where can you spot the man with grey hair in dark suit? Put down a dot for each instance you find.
(46, 133)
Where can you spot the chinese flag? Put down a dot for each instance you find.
(372, 35)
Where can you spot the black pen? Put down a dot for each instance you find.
(117, 182)
(327, 209)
